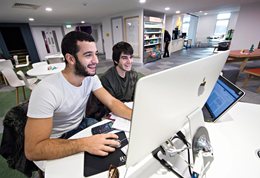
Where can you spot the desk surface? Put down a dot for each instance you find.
(233, 139)
(46, 69)
(236, 54)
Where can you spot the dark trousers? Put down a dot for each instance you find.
(166, 50)
(86, 122)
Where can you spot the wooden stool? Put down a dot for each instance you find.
(252, 72)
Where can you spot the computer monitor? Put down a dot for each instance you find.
(163, 101)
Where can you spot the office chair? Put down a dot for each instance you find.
(3, 65)
(14, 81)
(29, 83)
(223, 46)
(17, 65)
(12, 145)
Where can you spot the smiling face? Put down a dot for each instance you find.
(86, 59)
(125, 62)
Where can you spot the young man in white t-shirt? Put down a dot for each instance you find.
(57, 105)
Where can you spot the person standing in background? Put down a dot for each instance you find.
(167, 39)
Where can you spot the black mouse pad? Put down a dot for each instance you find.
(96, 164)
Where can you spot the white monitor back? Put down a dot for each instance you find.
(164, 100)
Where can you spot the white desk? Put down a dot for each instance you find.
(234, 140)
(176, 45)
(45, 70)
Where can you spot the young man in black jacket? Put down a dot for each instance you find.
(119, 80)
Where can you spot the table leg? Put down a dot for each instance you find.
(243, 65)
(246, 80)
(258, 90)
(17, 95)
(24, 96)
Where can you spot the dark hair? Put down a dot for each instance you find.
(69, 42)
(119, 48)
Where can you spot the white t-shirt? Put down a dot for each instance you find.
(55, 97)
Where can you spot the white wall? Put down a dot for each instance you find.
(206, 27)
(169, 24)
(107, 33)
(247, 31)
(233, 20)
(96, 30)
(39, 41)
(193, 28)
(98, 37)
(207, 24)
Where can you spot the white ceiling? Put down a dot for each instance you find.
(92, 11)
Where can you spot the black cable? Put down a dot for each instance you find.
(164, 163)
(183, 138)
(180, 136)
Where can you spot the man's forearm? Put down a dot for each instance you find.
(54, 149)
(121, 110)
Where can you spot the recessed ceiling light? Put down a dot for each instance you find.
(200, 11)
(82, 21)
(177, 12)
(142, 1)
(31, 19)
(167, 8)
(49, 9)
(68, 26)
(205, 13)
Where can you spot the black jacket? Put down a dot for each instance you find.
(12, 145)
(121, 89)
(167, 36)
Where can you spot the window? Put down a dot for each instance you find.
(185, 24)
(222, 23)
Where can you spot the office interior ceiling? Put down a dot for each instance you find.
(93, 11)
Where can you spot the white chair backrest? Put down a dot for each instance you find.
(37, 64)
(12, 78)
(27, 59)
(6, 64)
(21, 74)
(24, 64)
(15, 57)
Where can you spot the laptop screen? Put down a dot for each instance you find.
(223, 96)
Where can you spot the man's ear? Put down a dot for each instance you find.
(70, 59)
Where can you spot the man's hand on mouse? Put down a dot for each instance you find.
(100, 144)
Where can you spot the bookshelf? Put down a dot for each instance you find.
(152, 38)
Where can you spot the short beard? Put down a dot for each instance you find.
(80, 69)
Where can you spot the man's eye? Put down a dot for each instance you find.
(88, 55)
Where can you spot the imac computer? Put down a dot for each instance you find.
(164, 100)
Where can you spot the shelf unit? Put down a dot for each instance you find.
(152, 38)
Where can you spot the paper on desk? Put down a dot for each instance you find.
(121, 123)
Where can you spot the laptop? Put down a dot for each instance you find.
(224, 95)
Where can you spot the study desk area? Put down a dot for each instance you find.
(233, 138)
(224, 148)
